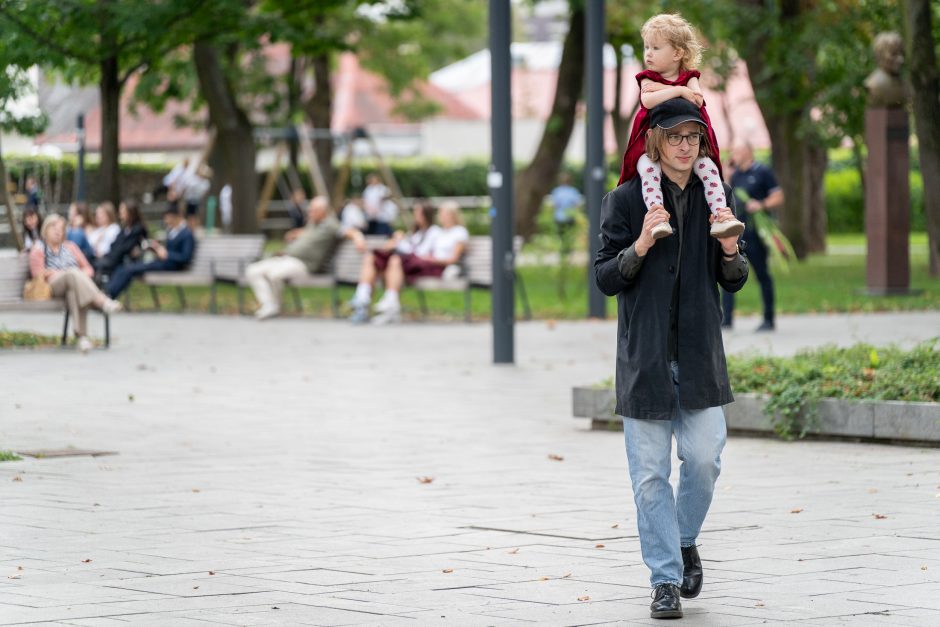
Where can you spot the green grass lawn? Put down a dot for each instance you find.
(823, 283)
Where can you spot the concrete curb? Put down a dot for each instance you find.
(870, 420)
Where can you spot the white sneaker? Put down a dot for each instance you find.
(85, 344)
(661, 230)
(727, 228)
(265, 313)
(112, 306)
(391, 316)
(387, 305)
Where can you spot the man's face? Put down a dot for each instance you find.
(741, 155)
(316, 210)
(680, 158)
(171, 220)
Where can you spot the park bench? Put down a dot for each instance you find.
(14, 272)
(344, 270)
(477, 265)
(217, 258)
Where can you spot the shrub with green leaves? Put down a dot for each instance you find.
(861, 372)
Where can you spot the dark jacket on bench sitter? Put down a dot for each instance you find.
(180, 246)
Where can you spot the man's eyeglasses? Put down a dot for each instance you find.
(675, 139)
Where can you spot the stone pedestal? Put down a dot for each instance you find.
(887, 201)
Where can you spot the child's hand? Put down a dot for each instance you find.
(689, 95)
(699, 99)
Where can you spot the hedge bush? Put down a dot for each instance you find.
(861, 372)
(434, 177)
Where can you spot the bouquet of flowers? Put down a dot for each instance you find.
(781, 251)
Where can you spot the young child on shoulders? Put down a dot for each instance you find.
(671, 54)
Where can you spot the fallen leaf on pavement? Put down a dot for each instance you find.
(130, 398)
(615, 525)
(211, 572)
(513, 552)
(196, 490)
(86, 561)
(873, 490)
(17, 478)
(448, 570)
(556, 458)
(584, 598)
(195, 587)
(879, 516)
(425, 479)
(19, 568)
(598, 546)
(544, 578)
(796, 511)
(924, 567)
(759, 604)
(566, 575)
(14, 577)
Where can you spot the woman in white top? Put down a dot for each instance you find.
(106, 229)
(439, 248)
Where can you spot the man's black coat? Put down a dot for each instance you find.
(644, 386)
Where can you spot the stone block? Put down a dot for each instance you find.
(898, 420)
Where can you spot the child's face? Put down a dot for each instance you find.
(661, 56)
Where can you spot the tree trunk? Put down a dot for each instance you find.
(10, 206)
(538, 178)
(319, 110)
(109, 182)
(235, 143)
(814, 164)
(788, 162)
(295, 85)
(792, 152)
(925, 80)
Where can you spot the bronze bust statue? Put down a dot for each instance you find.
(885, 86)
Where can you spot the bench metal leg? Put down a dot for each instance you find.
(212, 297)
(468, 308)
(181, 296)
(155, 297)
(107, 330)
(297, 302)
(65, 328)
(520, 286)
(423, 302)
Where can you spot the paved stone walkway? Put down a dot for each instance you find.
(308, 472)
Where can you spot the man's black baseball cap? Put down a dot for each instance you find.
(674, 112)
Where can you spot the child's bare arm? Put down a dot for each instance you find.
(647, 86)
(651, 99)
(697, 91)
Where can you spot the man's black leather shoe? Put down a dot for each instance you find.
(691, 573)
(666, 602)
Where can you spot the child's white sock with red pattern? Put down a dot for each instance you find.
(707, 171)
(651, 178)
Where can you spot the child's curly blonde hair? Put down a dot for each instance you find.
(675, 30)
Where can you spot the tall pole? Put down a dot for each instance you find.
(80, 173)
(499, 181)
(594, 170)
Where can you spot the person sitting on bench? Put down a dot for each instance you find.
(174, 257)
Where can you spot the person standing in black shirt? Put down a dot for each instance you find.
(763, 193)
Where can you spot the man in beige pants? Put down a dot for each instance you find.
(309, 251)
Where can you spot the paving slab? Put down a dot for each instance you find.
(384, 476)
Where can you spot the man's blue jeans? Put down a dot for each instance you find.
(668, 521)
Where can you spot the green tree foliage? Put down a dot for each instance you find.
(97, 41)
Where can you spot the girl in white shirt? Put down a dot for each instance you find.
(106, 229)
